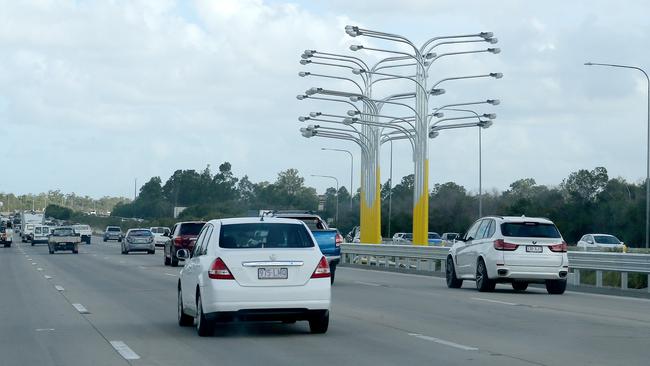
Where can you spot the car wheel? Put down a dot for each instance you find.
(51, 251)
(555, 287)
(332, 273)
(483, 282)
(519, 285)
(32, 243)
(319, 323)
(7, 245)
(104, 240)
(204, 327)
(174, 260)
(166, 260)
(450, 274)
(151, 251)
(184, 320)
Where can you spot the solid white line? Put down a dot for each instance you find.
(495, 301)
(44, 329)
(124, 350)
(34, 263)
(444, 342)
(170, 274)
(48, 277)
(367, 283)
(59, 288)
(80, 308)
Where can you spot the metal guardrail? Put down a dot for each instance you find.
(432, 259)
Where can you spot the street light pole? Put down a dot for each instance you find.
(480, 175)
(351, 169)
(337, 193)
(647, 176)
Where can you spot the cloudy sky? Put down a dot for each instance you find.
(96, 93)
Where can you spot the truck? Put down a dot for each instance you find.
(28, 220)
(6, 236)
(64, 238)
(85, 231)
(328, 239)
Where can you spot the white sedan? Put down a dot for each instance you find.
(254, 269)
(599, 242)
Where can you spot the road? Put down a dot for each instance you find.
(128, 316)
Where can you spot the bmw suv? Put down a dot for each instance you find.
(515, 250)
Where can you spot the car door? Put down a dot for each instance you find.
(190, 273)
(476, 247)
(463, 248)
(591, 244)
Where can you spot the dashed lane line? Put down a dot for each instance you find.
(81, 309)
(495, 301)
(125, 351)
(443, 342)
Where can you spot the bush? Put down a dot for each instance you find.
(58, 212)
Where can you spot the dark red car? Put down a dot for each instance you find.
(181, 237)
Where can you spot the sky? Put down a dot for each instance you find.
(96, 94)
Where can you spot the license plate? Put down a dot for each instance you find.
(272, 273)
(534, 249)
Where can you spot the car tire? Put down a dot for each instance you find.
(204, 327)
(32, 243)
(75, 250)
(519, 285)
(104, 240)
(51, 251)
(151, 251)
(184, 320)
(319, 323)
(174, 260)
(483, 282)
(166, 260)
(332, 273)
(450, 274)
(555, 287)
(7, 245)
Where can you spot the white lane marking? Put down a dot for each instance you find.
(121, 262)
(34, 263)
(48, 277)
(495, 301)
(367, 283)
(170, 274)
(124, 350)
(444, 342)
(39, 269)
(45, 329)
(80, 308)
(59, 288)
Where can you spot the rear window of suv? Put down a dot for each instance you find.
(254, 235)
(530, 230)
(191, 228)
(113, 228)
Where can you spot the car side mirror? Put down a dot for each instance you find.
(590, 242)
(183, 254)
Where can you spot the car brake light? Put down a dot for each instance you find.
(500, 244)
(219, 271)
(322, 270)
(339, 240)
(178, 241)
(558, 248)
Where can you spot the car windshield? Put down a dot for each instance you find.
(113, 228)
(434, 236)
(606, 239)
(140, 233)
(264, 235)
(158, 230)
(452, 236)
(191, 228)
(82, 227)
(529, 230)
(63, 231)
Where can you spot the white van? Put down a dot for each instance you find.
(41, 234)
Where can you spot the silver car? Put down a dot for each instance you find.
(138, 240)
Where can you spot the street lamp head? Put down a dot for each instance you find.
(435, 91)
(358, 71)
(356, 98)
(314, 114)
(493, 101)
(352, 31)
(490, 115)
(301, 96)
(496, 75)
(353, 112)
(308, 53)
(303, 118)
(302, 74)
(433, 134)
(492, 40)
(589, 63)
(485, 124)
(430, 55)
(438, 114)
(312, 91)
(494, 50)
(486, 35)
(307, 132)
(356, 47)
(305, 62)
(349, 120)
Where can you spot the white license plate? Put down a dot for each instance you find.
(272, 273)
(534, 249)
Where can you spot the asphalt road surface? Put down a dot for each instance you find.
(103, 308)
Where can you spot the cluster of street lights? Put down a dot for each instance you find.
(369, 127)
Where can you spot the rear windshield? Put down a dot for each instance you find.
(62, 232)
(113, 228)
(140, 233)
(452, 236)
(529, 229)
(606, 239)
(434, 236)
(82, 227)
(158, 230)
(191, 228)
(264, 235)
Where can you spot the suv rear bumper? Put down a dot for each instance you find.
(507, 273)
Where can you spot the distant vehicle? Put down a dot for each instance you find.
(85, 231)
(448, 238)
(434, 239)
(40, 235)
(402, 238)
(600, 242)
(516, 250)
(160, 235)
(64, 238)
(327, 238)
(254, 270)
(182, 236)
(6, 236)
(349, 238)
(138, 240)
(113, 233)
(28, 219)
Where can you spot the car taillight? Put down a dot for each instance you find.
(339, 240)
(219, 271)
(322, 270)
(558, 248)
(500, 244)
(178, 241)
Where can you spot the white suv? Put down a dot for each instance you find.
(516, 250)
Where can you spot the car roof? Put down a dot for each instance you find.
(190, 222)
(139, 229)
(254, 220)
(540, 220)
(601, 234)
(301, 215)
